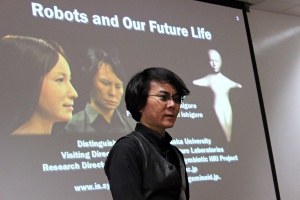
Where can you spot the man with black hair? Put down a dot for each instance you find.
(105, 77)
(144, 165)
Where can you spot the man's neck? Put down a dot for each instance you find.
(106, 113)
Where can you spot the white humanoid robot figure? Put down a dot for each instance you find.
(220, 85)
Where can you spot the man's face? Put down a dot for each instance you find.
(107, 89)
(215, 60)
(157, 114)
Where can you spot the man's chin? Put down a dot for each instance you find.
(110, 107)
(169, 125)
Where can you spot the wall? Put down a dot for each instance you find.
(276, 40)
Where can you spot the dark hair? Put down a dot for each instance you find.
(137, 90)
(23, 63)
(97, 57)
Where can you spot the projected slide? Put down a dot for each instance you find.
(60, 115)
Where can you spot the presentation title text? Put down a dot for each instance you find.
(114, 21)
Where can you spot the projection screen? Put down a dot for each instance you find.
(219, 128)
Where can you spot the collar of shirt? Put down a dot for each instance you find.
(92, 114)
(153, 137)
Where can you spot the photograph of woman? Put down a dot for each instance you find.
(35, 86)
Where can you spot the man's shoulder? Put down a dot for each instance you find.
(129, 140)
(76, 123)
(77, 118)
(126, 139)
(127, 144)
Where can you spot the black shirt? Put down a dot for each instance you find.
(123, 165)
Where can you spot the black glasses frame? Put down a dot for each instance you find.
(167, 97)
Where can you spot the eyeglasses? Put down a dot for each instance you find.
(167, 97)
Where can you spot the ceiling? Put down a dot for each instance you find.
(289, 7)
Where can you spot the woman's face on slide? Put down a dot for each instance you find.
(215, 60)
(57, 93)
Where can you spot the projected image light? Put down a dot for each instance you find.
(222, 154)
(104, 83)
(220, 85)
(38, 10)
(39, 69)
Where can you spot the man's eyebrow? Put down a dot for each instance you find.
(166, 92)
